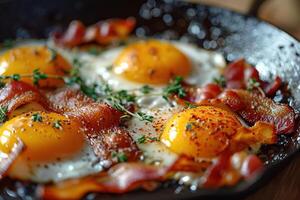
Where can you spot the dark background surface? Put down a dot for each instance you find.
(271, 50)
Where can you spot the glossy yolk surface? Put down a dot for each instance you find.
(51, 137)
(151, 62)
(206, 131)
(24, 60)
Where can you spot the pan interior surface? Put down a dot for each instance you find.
(272, 51)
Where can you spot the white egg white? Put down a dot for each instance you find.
(81, 164)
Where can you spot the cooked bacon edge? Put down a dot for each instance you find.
(18, 93)
(94, 116)
(103, 32)
(120, 178)
(111, 141)
(253, 108)
(126, 177)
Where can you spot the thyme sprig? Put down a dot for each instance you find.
(3, 113)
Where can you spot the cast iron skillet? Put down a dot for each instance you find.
(271, 50)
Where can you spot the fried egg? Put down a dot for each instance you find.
(166, 59)
(55, 148)
(53, 154)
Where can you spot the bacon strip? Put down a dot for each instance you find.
(125, 177)
(121, 178)
(253, 107)
(94, 116)
(18, 93)
(103, 32)
(112, 141)
(229, 169)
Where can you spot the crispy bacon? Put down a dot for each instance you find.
(230, 168)
(18, 93)
(121, 178)
(253, 107)
(103, 32)
(94, 116)
(271, 88)
(73, 35)
(227, 170)
(208, 91)
(238, 73)
(114, 141)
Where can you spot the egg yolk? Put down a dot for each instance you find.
(206, 131)
(24, 60)
(151, 62)
(46, 136)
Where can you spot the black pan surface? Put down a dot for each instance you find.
(271, 50)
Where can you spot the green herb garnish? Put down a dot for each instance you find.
(221, 81)
(57, 124)
(3, 113)
(36, 117)
(146, 89)
(174, 88)
(141, 140)
(252, 84)
(37, 76)
(121, 157)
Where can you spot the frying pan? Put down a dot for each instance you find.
(271, 50)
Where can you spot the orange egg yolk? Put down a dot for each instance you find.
(151, 62)
(46, 136)
(206, 131)
(24, 60)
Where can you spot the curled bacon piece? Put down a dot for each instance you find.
(253, 107)
(120, 178)
(196, 94)
(18, 93)
(94, 116)
(238, 73)
(229, 169)
(103, 32)
(112, 141)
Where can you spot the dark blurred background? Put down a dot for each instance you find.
(282, 13)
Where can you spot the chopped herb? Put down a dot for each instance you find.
(53, 54)
(94, 51)
(36, 117)
(188, 127)
(120, 156)
(153, 139)
(141, 139)
(145, 117)
(109, 68)
(77, 63)
(16, 77)
(252, 84)
(174, 87)
(8, 43)
(189, 105)
(57, 124)
(3, 113)
(146, 89)
(221, 81)
(37, 76)
(2, 84)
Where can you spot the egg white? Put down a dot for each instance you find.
(97, 69)
(81, 164)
